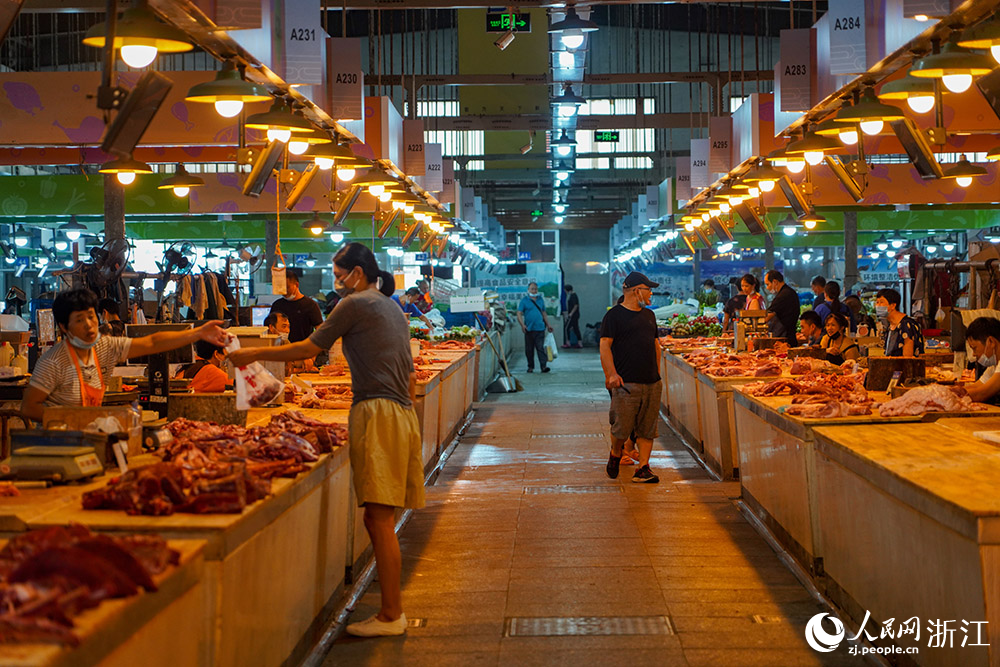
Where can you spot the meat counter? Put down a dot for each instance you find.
(909, 522)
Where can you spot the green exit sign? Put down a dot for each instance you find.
(536, 213)
(508, 21)
(607, 136)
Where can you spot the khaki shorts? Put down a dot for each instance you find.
(637, 409)
(386, 454)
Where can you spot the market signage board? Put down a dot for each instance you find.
(413, 147)
(345, 80)
(433, 181)
(303, 40)
(699, 163)
(683, 170)
(469, 206)
(720, 132)
(846, 25)
(796, 69)
(470, 300)
(447, 181)
(653, 209)
(502, 22)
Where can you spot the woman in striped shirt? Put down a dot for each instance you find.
(72, 372)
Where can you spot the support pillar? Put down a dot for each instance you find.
(696, 265)
(114, 208)
(768, 252)
(851, 275)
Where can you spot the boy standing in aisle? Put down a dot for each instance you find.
(629, 354)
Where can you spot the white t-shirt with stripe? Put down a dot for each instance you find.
(55, 373)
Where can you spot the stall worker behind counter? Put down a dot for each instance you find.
(811, 326)
(72, 371)
(277, 325)
(983, 337)
(408, 302)
(783, 313)
(904, 337)
(302, 312)
(206, 374)
(108, 309)
(839, 346)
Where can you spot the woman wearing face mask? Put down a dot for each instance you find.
(384, 435)
(72, 372)
(838, 345)
(903, 337)
(983, 337)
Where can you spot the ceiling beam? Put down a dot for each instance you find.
(542, 122)
(616, 78)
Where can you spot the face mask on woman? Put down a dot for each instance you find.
(79, 344)
(987, 361)
(342, 289)
(882, 312)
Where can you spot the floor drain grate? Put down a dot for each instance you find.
(562, 488)
(570, 626)
(416, 622)
(569, 435)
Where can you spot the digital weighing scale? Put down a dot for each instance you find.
(53, 455)
(54, 463)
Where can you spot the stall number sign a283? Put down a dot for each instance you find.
(796, 70)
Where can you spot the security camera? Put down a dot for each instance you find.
(504, 40)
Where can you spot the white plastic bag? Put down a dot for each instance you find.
(551, 350)
(255, 386)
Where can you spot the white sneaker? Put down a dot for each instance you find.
(372, 627)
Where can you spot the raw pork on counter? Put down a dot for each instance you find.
(930, 398)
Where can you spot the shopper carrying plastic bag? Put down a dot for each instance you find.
(255, 385)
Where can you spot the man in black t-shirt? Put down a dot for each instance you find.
(572, 325)
(629, 354)
(783, 313)
(302, 312)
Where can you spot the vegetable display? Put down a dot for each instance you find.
(682, 326)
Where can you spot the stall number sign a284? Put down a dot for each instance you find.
(847, 23)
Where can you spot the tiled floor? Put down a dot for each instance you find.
(485, 550)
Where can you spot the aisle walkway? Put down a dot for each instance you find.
(523, 523)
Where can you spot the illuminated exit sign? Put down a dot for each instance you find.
(536, 213)
(507, 21)
(607, 136)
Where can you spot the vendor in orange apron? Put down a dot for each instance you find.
(89, 396)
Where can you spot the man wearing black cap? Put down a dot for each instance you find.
(629, 353)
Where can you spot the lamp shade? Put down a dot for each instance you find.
(951, 60)
(139, 26)
(812, 142)
(279, 117)
(227, 86)
(181, 179)
(572, 21)
(868, 108)
(125, 165)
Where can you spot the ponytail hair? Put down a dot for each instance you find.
(354, 255)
